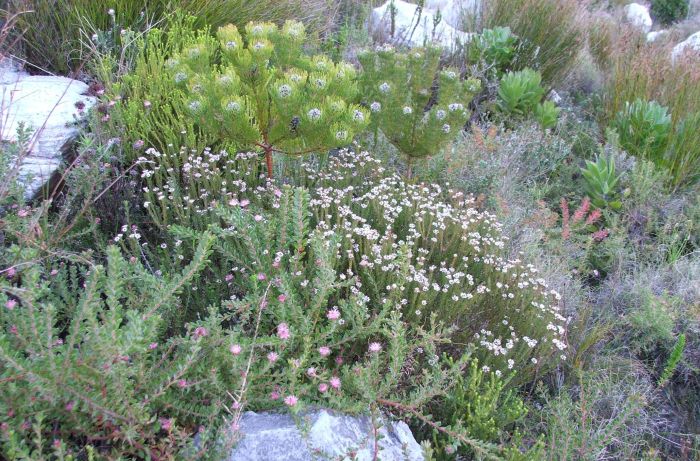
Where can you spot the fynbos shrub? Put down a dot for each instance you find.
(417, 107)
(266, 93)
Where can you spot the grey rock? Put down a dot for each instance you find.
(323, 435)
(638, 15)
(47, 105)
(412, 28)
(689, 45)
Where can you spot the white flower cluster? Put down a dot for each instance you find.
(421, 248)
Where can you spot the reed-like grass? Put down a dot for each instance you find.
(551, 33)
(647, 72)
(56, 29)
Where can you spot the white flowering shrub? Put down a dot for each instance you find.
(385, 251)
(262, 92)
(418, 107)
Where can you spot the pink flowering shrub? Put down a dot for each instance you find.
(87, 362)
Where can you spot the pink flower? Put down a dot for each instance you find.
(323, 387)
(339, 360)
(56, 443)
(335, 382)
(182, 383)
(375, 347)
(138, 145)
(228, 277)
(152, 346)
(600, 235)
(147, 104)
(236, 349)
(11, 304)
(23, 213)
(166, 423)
(244, 203)
(311, 371)
(274, 395)
(261, 276)
(257, 218)
(282, 298)
(582, 210)
(69, 406)
(283, 331)
(325, 351)
(54, 272)
(333, 314)
(200, 331)
(291, 400)
(593, 217)
(272, 357)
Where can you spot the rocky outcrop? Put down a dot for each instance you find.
(689, 45)
(50, 107)
(453, 12)
(638, 15)
(268, 436)
(413, 26)
(656, 35)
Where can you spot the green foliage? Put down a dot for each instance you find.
(520, 94)
(480, 403)
(669, 11)
(547, 114)
(601, 181)
(260, 93)
(652, 323)
(268, 94)
(57, 33)
(85, 360)
(643, 128)
(673, 360)
(683, 154)
(598, 417)
(495, 48)
(11, 156)
(398, 88)
(550, 33)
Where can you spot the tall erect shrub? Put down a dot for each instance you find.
(418, 107)
(265, 93)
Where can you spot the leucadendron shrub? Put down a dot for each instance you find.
(259, 93)
(418, 119)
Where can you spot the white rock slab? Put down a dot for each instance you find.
(690, 44)
(412, 28)
(638, 15)
(269, 436)
(47, 105)
(454, 11)
(656, 35)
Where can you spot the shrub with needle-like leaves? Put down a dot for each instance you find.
(418, 107)
(264, 92)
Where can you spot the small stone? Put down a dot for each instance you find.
(268, 436)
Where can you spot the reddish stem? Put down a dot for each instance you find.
(268, 161)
